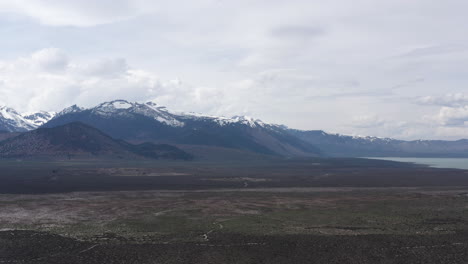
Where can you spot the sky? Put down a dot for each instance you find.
(387, 68)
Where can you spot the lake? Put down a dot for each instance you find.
(455, 163)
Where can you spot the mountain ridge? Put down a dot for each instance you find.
(148, 122)
(352, 146)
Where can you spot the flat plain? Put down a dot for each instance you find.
(270, 211)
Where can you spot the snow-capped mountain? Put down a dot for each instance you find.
(122, 108)
(39, 118)
(126, 109)
(139, 122)
(149, 122)
(13, 121)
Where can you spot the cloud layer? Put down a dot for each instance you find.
(397, 69)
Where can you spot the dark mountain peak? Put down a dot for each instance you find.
(76, 139)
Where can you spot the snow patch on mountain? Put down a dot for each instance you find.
(12, 121)
(121, 105)
(358, 137)
(117, 107)
(158, 113)
(122, 108)
(125, 109)
(69, 110)
(224, 121)
(39, 118)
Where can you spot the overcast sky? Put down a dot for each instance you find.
(396, 68)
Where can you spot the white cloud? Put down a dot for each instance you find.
(50, 59)
(83, 83)
(453, 116)
(307, 64)
(49, 79)
(42, 86)
(103, 67)
(458, 99)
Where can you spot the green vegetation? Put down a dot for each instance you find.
(189, 215)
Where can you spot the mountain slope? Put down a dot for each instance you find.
(147, 122)
(12, 121)
(4, 135)
(80, 140)
(349, 146)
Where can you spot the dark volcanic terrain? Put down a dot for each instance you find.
(270, 210)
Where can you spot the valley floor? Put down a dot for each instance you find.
(244, 215)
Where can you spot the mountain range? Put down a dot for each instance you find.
(135, 122)
(148, 122)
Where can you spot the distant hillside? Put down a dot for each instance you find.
(349, 146)
(83, 141)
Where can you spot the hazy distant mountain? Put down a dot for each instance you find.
(12, 121)
(148, 122)
(80, 140)
(349, 146)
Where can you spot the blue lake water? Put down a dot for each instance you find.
(455, 163)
